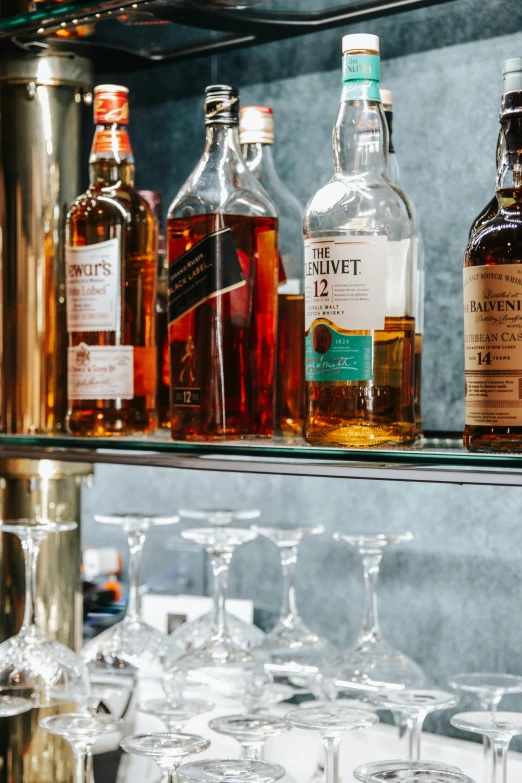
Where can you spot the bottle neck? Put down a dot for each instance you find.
(222, 142)
(111, 161)
(360, 136)
(260, 160)
(509, 174)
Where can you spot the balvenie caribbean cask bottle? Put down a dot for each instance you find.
(110, 258)
(359, 278)
(223, 274)
(493, 295)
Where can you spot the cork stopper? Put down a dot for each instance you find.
(256, 125)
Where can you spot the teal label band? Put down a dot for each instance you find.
(358, 68)
(331, 356)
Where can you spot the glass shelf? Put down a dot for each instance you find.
(440, 458)
(223, 24)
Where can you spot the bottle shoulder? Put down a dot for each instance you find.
(358, 204)
(497, 240)
(119, 204)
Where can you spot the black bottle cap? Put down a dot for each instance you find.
(221, 105)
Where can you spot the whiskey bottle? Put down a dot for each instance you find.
(393, 170)
(359, 278)
(162, 319)
(256, 135)
(110, 262)
(511, 82)
(493, 305)
(223, 275)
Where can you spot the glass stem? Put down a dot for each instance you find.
(288, 614)
(136, 539)
(253, 750)
(489, 704)
(371, 565)
(331, 758)
(414, 729)
(171, 776)
(83, 765)
(220, 564)
(31, 549)
(498, 769)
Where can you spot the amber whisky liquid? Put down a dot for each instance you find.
(497, 245)
(361, 414)
(222, 353)
(103, 213)
(417, 384)
(290, 381)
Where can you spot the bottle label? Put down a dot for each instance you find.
(493, 345)
(92, 286)
(114, 141)
(211, 267)
(100, 372)
(359, 68)
(345, 291)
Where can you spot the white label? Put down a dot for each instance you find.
(100, 372)
(92, 280)
(400, 293)
(345, 281)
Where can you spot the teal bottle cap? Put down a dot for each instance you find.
(512, 75)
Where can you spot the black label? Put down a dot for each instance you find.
(211, 267)
(187, 397)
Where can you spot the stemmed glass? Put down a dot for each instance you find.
(291, 644)
(489, 688)
(372, 662)
(415, 704)
(30, 660)
(81, 732)
(14, 705)
(367, 771)
(418, 774)
(332, 721)
(175, 714)
(218, 649)
(231, 771)
(499, 728)
(167, 749)
(251, 731)
(131, 645)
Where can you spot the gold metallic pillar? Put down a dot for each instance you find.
(50, 489)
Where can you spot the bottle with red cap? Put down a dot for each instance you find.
(110, 272)
(256, 135)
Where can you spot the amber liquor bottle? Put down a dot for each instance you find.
(256, 134)
(223, 275)
(110, 257)
(493, 305)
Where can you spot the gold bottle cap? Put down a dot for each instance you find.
(256, 125)
(386, 99)
(361, 42)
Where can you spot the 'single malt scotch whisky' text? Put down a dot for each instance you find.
(223, 275)
(110, 260)
(359, 278)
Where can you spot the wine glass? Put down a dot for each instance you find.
(415, 704)
(291, 644)
(81, 732)
(418, 774)
(175, 714)
(195, 633)
(331, 721)
(218, 649)
(231, 771)
(251, 731)
(14, 705)
(499, 728)
(131, 645)
(367, 771)
(166, 749)
(372, 662)
(489, 688)
(30, 660)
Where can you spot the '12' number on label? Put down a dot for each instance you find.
(324, 283)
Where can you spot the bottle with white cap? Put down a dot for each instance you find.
(256, 135)
(393, 169)
(359, 278)
(492, 285)
(511, 82)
